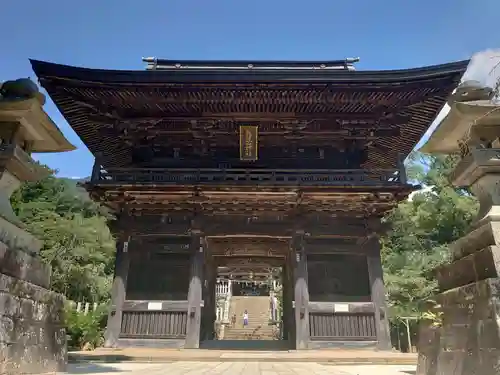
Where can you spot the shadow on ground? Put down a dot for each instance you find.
(258, 345)
(91, 368)
(77, 358)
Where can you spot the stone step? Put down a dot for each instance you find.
(249, 328)
(255, 335)
(250, 337)
(251, 325)
(269, 333)
(249, 333)
(258, 327)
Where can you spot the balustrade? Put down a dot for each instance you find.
(223, 288)
(223, 292)
(316, 177)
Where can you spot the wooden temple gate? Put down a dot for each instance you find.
(275, 164)
(166, 273)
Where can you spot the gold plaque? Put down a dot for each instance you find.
(249, 142)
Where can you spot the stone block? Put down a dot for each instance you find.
(18, 238)
(480, 265)
(32, 334)
(470, 335)
(9, 304)
(428, 349)
(7, 330)
(24, 266)
(25, 290)
(485, 235)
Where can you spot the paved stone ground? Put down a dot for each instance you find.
(234, 368)
(337, 356)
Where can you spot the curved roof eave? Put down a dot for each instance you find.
(137, 77)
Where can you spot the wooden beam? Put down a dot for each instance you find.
(301, 292)
(236, 177)
(378, 295)
(329, 307)
(226, 261)
(195, 293)
(143, 305)
(244, 226)
(118, 294)
(102, 115)
(335, 247)
(157, 246)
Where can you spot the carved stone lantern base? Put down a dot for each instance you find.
(470, 301)
(470, 283)
(32, 334)
(16, 167)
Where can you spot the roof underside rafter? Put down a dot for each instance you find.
(112, 111)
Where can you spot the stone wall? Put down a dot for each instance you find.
(32, 334)
(470, 340)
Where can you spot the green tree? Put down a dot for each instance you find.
(77, 243)
(421, 230)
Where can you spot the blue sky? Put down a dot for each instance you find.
(115, 34)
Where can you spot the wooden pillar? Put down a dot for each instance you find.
(287, 296)
(96, 169)
(209, 300)
(195, 292)
(118, 294)
(212, 309)
(378, 295)
(301, 292)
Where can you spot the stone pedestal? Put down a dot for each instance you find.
(470, 283)
(428, 348)
(470, 337)
(32, 334)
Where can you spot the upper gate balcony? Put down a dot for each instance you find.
(248, 177)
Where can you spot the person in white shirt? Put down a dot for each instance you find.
(273, 302)
(245, 318)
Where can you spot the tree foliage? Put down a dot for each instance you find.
(77, 243)
(422, 227)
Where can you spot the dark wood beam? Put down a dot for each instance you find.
(118, 293)
(378, 294)
(301, 292)
(329, 307)
(335, 248)
(239, 177)
(100, 114)
(195, 294)
(151, 225)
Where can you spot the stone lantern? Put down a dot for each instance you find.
(469, 284)
(32, 337)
